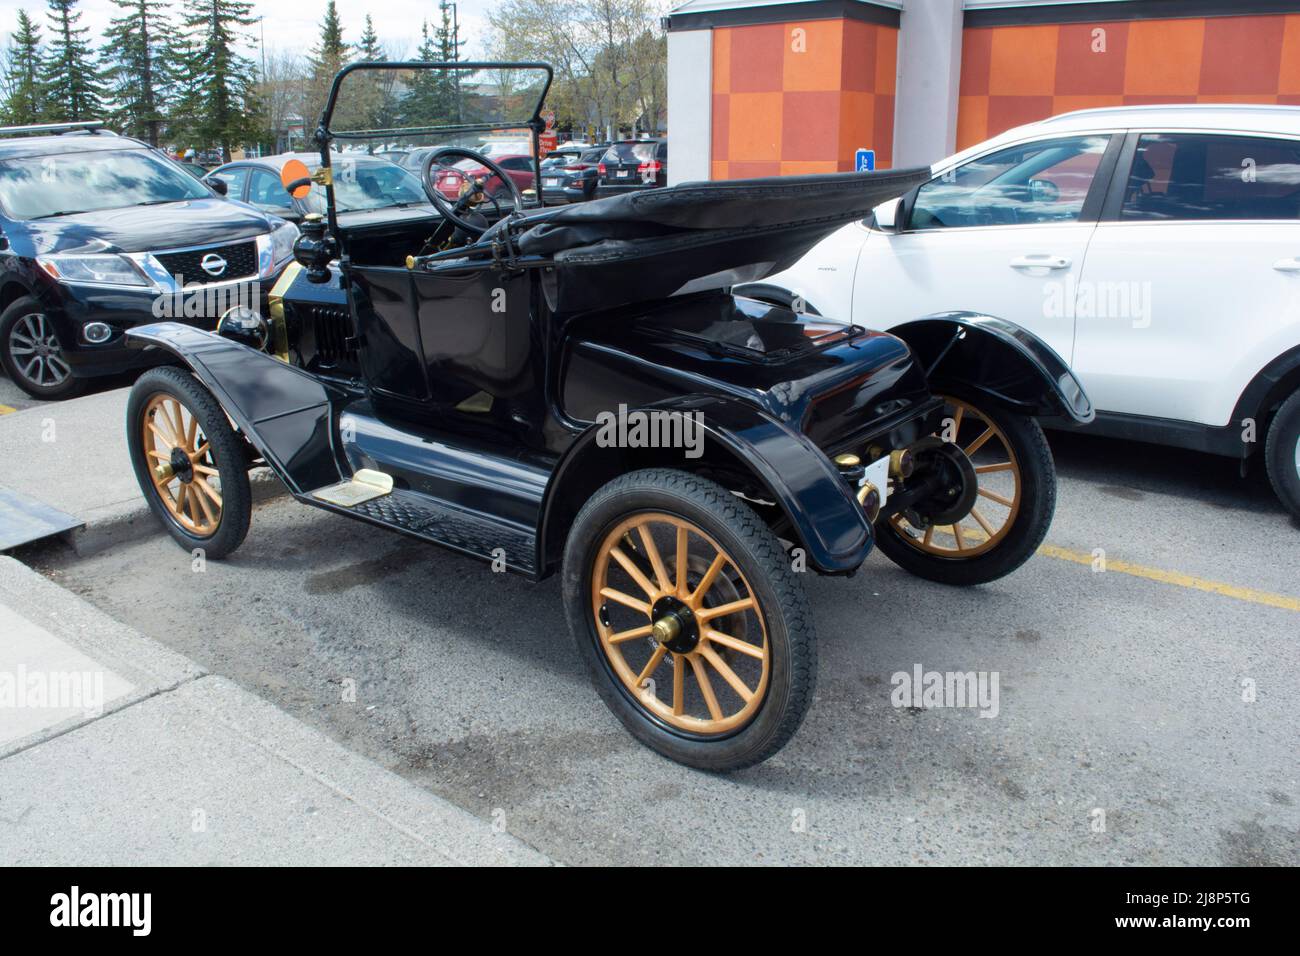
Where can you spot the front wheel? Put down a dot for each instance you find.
(189, 462)
(32, 355)
(980, 537)
(690, 620)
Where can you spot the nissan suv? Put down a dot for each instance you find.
(99, 233)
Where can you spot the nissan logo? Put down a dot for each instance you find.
(213, 264)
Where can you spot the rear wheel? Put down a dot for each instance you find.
(189, 462)
(966, 538)
(1282, 454)
(689, 619)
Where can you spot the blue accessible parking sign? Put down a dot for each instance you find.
(864, 161)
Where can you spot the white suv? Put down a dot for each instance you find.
(1156, 248)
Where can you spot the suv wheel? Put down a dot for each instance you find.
(1282, 454)
(32, 355)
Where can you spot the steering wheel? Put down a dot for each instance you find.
(471, 191)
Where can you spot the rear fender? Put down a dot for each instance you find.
(826, 518)
(283, 411)
(1007, 364)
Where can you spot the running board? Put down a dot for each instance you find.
(365, 485)
(438, 522)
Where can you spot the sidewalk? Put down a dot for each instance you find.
(175, 766)
(72, 456)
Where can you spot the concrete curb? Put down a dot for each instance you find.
(278, 790)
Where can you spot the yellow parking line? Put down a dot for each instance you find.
(7, 409)
(1178, 579)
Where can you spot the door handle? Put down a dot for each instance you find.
(1287, 265)
(1040, 262)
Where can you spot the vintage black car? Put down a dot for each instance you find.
(576, 391)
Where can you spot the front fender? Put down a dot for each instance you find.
(827, 520)
(286, 413)
(1007, 364)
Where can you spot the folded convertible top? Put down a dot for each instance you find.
(659, 242)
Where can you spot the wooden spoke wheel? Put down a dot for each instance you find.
(691, 622)
(189, 462)
(1000, 488)
(670, 631)
(981, 536)
(184, 472)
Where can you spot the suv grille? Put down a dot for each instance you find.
(240, 258)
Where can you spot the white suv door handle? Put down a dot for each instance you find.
(1287, 265)
(1040, 262)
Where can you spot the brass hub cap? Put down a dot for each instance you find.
(678, 638)
(998, 494)
(180, 459)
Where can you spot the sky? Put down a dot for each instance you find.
(296, 26)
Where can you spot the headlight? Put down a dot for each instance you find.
(282, 240)
(103, 269)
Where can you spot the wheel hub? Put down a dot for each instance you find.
(181, 466)
(675, 626)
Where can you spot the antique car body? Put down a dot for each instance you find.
(475, 397)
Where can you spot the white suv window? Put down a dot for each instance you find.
(1040, 182)
(1199, 176)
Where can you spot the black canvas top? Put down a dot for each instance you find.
(658, 242)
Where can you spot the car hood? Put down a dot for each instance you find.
(193, 222)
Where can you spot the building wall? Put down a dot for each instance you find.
(1018, 74)
(801, 97)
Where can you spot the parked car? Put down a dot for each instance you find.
(98, 229)
(1157, 248)
(574, 181)
(471, 397)
(632, 165)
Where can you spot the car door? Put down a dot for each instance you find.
(235, 178)
(1192, 283)
(1003, 233)
(266, 192)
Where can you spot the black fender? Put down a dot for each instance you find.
(287, 414)
(1005, 363)
(825, 516)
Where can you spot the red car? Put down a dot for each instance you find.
(518, 167)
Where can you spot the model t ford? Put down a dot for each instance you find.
(576, 390)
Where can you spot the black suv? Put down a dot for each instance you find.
(632, 165)
(99, 233)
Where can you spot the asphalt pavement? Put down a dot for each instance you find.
(1146, 664)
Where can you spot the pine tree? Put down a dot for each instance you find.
(369, 50)
(70, 83)
(326, 58)
(223, 109)
(423, 101)
(135, 68)
(23, 74)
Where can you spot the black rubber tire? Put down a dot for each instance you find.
(765, 565)
(227, 451)
(1038, 504)
(68, 388)
(1280, 454)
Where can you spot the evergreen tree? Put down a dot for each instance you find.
(70, 84)
(222, 108)
(422, 105)
(23, 74)
(134, 67)
(326, 58)
(369, 50)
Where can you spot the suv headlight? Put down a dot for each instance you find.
(282, 240)
(100, 269)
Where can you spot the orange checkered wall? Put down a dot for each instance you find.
(786, 103)
(1018, 74)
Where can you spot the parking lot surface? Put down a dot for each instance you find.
(1147, 711)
